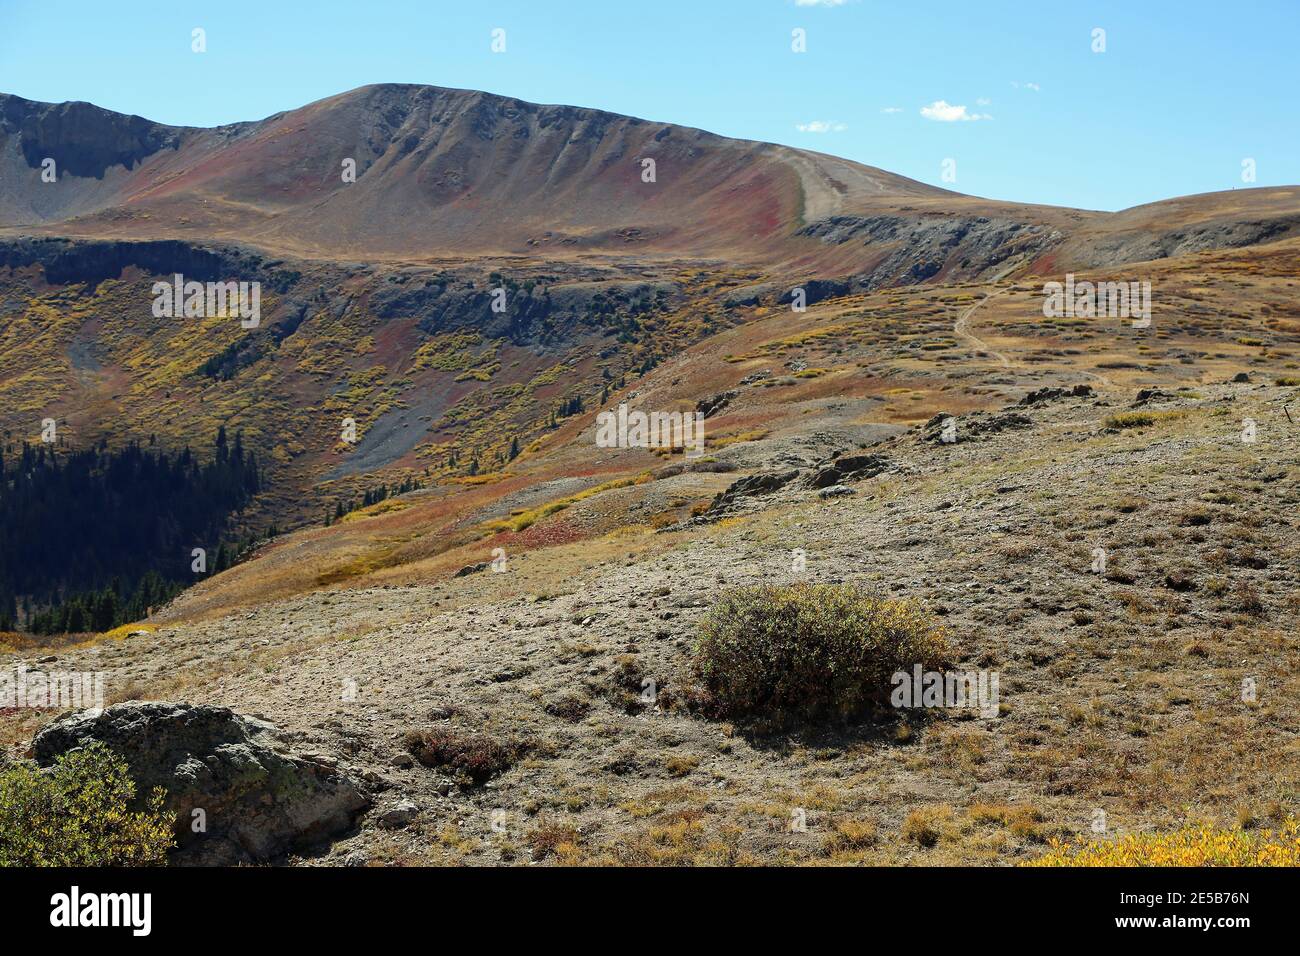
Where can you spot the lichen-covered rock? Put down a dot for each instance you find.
(239, 792)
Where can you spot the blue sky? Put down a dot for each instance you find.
(1184, 92)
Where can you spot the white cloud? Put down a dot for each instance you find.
(821, 126)
(1029, 86)
(820, 3)
(983, 101)
(944, 112)
(892, 109)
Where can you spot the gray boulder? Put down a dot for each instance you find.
(397, 816)
(836, 491)
(259, 798)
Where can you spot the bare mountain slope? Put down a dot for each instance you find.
(438, 172)
(457, 173)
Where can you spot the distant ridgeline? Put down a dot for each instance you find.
(95, 538)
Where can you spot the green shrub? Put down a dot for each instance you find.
(78, 813)
(808, 652)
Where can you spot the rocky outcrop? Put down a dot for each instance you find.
(533, 312)
(816, 290)
(1147, 396)
(970, 426)
(916, 248)
(848, 468)
(751, 485)
(1120, 248)
(715, 403)
(1042, 396)
(93, 260)
(83, 139)
(239, 792)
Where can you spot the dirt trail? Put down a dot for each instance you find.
(961, 329)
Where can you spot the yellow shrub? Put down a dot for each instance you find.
(1203, 845)
(79, 814)
(123, 630)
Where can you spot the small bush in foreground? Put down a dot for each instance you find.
(472, 758)
(808, 652)
(78, 814)
(569, 707)
(925, 826)
(1193, 846)
(850, 835)
(550, 839)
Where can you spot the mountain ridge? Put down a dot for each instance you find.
(442, 172)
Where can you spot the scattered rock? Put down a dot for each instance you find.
(974, 424)
(473, 569)
(397, 816)
(998, 423)
(1148, 395)
(835, 491)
